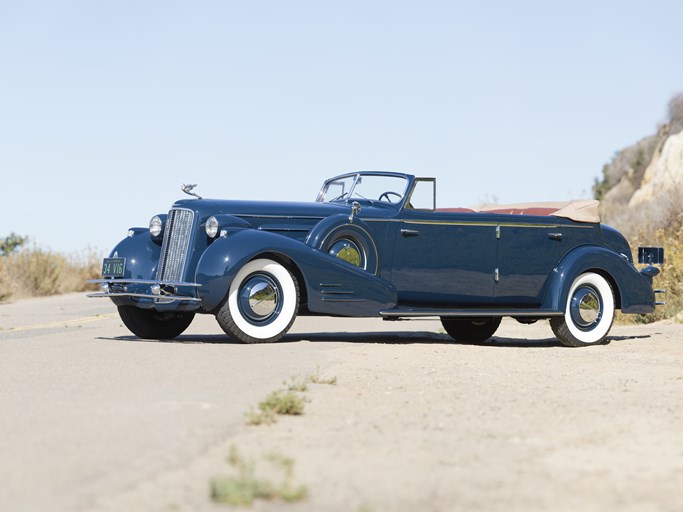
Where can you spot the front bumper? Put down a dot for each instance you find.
(160, 291)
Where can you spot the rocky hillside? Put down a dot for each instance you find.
(642, 187)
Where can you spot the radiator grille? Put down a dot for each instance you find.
(175, 246)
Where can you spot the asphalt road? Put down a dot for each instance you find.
(87, 409)
(91, 418)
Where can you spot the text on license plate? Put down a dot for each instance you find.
(113, 267)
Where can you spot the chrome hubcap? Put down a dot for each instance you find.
(259, 299)
(586, 308)
(348, 251)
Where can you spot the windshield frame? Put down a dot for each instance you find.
(348, 196)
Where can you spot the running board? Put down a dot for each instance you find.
(423, 312)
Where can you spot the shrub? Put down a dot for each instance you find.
(32, 272)
(675, 110)
(6, 284)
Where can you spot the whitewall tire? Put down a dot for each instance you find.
(589, 313)
(262, 303)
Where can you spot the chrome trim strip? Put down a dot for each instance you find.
(482, 223)
(328, 299)
(168, 298)
(416, 312)
(491, 224)
(276, 229)
(141, 281)
(257, 216)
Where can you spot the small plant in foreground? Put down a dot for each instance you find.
(244, 487)
(277, 402)
(285, 401)
(297, 384)
(317, 379)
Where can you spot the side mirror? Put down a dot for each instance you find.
(355, 210)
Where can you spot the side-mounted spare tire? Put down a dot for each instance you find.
(262, 303)
(350, 242)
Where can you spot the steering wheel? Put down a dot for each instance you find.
(390, 193)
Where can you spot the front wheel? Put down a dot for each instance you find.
(589, 313)
(149, 324)
(470, 330)
(262, 303)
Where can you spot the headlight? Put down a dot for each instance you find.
(155, 226)
(211, 227)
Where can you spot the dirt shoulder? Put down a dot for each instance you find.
(416, 422)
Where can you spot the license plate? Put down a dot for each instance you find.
(113, 267)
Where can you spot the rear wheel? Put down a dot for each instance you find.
(262, 303)
(470, 330)
(589, 313)
(149, 324)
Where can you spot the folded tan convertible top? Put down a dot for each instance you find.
(581, 210)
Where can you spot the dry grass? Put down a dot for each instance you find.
(244, 486)
(33, 272)
(671, 278)
(278, 402)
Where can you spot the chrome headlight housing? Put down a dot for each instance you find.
(156, 226)
(211, 227)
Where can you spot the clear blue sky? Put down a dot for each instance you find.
(107, 107)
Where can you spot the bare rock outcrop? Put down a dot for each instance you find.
(642, 187)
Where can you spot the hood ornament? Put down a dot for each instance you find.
(188, 190)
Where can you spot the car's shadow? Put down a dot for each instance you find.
(385, 338)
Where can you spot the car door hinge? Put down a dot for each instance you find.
(498, 232)
(496, 275)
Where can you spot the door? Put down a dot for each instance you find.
(527, 254)
(444, 259)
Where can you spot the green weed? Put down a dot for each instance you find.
(245, 487)
(276, 403)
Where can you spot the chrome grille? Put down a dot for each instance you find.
(175, 246)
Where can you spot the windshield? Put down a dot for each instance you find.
(369, 187)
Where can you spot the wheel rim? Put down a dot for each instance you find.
(251, 316)
(348, 251)
(586, 308)
(260, 299)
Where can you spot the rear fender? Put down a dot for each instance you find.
(633, 291)
(333, 287)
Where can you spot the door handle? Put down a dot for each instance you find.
(555, 236)
(407, 233)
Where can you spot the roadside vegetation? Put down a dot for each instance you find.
(275, 480)
(671, 278)
(27, 271)
(289, 401)
(244, 486)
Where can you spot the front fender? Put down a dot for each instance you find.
(633, 291)
(332, 286)
(141, 253)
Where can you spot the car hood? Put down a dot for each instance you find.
(250, 209)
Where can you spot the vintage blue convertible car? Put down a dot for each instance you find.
(373, 244)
